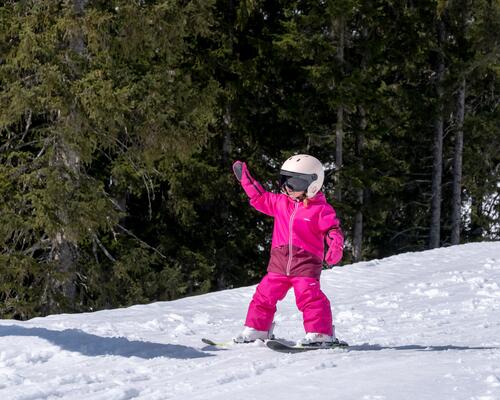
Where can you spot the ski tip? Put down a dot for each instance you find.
(209, 342)
(231, 343)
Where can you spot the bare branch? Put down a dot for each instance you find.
(101, 246)
(141, 241)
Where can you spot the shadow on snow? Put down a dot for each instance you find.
(377, 347)
(88, 344)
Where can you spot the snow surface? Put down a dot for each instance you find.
(421, 326)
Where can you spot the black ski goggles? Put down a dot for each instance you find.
(296, 181)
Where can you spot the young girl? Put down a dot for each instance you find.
(303, 220)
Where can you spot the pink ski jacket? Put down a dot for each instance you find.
(299, 232)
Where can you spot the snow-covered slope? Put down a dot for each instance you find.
(421, 325)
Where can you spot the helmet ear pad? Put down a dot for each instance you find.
(312, 189)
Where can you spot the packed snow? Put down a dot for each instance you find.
(420, 325)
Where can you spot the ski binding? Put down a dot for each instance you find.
(287, 347)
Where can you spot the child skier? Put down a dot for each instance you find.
(303, 220)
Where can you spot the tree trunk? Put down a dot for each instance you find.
(339, 127)
(67, 160)
(357, 241)
(339, 135)
(456, 212)
(437, 166)
(225, 262)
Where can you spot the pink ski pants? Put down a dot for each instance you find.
(310, 300)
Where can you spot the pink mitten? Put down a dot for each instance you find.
(335, 241)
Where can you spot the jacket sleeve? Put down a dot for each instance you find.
(330, 225)
(260, 199)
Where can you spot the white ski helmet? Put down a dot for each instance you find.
(302, 173)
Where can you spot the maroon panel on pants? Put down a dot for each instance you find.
(302, 262)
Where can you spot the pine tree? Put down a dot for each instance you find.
(481, 171)
(98, 102)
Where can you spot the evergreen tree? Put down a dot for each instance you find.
(97, 106)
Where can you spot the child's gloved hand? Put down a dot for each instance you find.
(238, 169)
(252, 188)
(335, 241)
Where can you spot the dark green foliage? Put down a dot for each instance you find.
(97, 106)
(119, 122)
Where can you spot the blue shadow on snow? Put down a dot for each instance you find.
(377, 347)
(88, 344)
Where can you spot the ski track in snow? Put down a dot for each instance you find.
(421, 326)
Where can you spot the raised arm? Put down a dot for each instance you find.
(260, 199)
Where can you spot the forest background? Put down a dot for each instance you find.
(119, 122)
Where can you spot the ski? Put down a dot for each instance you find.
(217, 344)
(229, 343)
(287, 347)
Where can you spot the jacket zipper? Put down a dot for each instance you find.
(290, 240)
